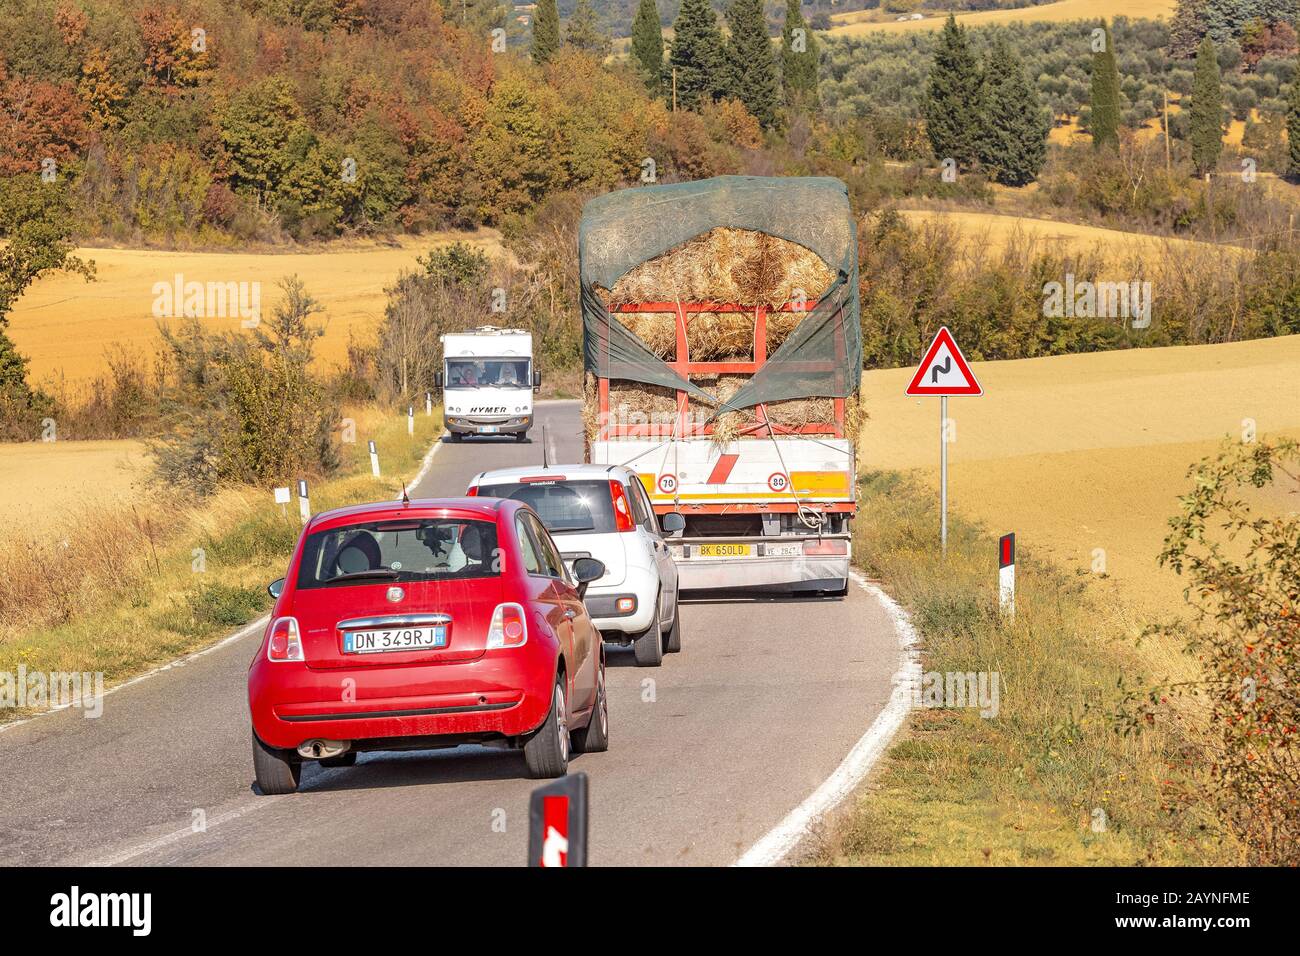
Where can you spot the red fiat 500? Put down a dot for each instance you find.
(405, 626)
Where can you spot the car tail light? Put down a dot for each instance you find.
(622, 507)
(508, 627)
(826, 546)
(473, 492)
(626, 605)
(283, 642)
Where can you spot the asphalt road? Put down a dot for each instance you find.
(708, 752)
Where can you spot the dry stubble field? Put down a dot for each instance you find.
(1082, 452)
(66, 325)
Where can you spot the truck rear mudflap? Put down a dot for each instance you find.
(787, 562)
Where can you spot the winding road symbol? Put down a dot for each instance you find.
(946, 370)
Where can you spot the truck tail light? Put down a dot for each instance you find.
(472, 492)
(283, 642)
(508, 627)
(622, 507)
(826, 546)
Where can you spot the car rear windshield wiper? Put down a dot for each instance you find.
(387, 573)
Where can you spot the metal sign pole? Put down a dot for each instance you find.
(943, 475)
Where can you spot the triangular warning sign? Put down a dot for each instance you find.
(944, 371)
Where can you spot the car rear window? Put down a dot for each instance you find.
(565, 507)
(423, 549)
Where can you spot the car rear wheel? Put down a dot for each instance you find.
(594, 738)
(673, 643)
(547, 751)
(342, 760)
(277, 771)
(649, 647)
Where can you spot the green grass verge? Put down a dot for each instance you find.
(1049, 780)
(205, 582)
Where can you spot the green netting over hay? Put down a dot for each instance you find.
(621, 230)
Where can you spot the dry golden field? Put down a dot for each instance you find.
(1084, 452)
(994, 231)
(65, 325)
(865, 21)
(47, 484)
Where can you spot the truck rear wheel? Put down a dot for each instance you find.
(521, 436)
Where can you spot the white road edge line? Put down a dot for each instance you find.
(125, 856)
(179, 662)
(786, 835)
(424, 467)
(238, 635)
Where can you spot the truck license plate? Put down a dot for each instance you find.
(724, 551)
(488, 429)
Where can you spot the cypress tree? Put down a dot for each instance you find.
(648, 45)
(698, 55)
(1105, 100)
(1186, 27)
(1206, 123)
(798, 67)
(584, 31)
(1293, 125)
(546, 31)
(752, 62)
(1014, 144)
(954, 98)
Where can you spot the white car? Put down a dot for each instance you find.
(603, 512)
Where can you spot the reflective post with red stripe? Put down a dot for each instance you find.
(557, 823)
(1007, 574)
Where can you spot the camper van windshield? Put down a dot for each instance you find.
(493, 373)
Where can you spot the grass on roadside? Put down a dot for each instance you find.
(1046, 781)
(121, 591)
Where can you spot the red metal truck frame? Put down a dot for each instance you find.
(684, 367)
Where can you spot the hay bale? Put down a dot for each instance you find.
(739, 266)
(736, 266)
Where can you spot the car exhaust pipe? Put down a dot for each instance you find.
(322, 749)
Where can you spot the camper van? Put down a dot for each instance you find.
(487, 382)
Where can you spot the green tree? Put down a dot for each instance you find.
(752, 75)
(698, 56)
(1186, 27)
(1105, 100)
(1014, 144)
(648, 45)
(1206, 123)
(1293, 125)
(546, 31)
(954, 98)
(584, 31)
(35, 238)
(798, 57)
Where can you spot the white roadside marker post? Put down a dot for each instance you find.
(428, 403)
(374, 459)
(943, 372)
(304, 504)
(410, 419)
(1007, 574)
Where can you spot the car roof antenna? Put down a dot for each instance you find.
(546, 458)
(405, 498)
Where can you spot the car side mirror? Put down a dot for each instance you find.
(586, 570)
(276, 588)
(672, 523)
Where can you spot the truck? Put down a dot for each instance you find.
(487, 382)
(769, 505)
